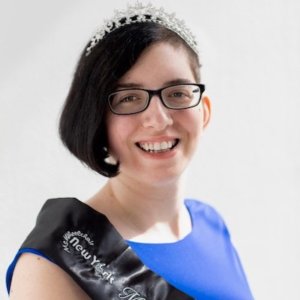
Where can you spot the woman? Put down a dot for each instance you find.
(134, 113)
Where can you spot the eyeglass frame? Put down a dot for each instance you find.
(158, 92)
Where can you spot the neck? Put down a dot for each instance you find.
(140, 210)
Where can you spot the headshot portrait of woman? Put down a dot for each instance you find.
(135, 115)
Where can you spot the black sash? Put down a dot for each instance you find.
(85, 244)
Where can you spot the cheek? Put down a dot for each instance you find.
(118, 130)
(193, 121)
(112, 132)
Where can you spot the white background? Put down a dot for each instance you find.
(248, 164)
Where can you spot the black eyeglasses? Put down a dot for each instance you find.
(135, 100)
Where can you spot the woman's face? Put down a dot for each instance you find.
(130, 135)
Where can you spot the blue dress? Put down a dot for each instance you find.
(204, 264)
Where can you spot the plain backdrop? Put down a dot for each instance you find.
(247, 165)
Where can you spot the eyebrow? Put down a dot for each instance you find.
(139, 85)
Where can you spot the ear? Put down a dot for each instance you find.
(206, 107)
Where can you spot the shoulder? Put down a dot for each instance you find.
(61, 206)
(57, 207)
(58, 211)
(203, 212)
(60, 203)
(35, 278)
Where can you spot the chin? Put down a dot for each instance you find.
(157, 177)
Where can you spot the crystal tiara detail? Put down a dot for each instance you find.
(140, 13)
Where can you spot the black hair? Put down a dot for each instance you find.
(82, 125)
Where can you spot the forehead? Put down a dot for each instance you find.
(158, 64)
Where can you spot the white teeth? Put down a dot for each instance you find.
(164, 146)
(157, 147)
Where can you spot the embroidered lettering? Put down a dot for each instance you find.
(74, 241)
(69, 234)
(78, 247)
(130, 294)
(71, 239)
(95, 260)
(85, 254)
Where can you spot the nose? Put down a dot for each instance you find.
(156, 115)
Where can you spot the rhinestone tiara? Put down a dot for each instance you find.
(141, 13)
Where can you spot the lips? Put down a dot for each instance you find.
(158, 147)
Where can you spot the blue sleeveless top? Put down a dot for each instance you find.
(204, 264)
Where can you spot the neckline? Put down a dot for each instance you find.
(180, 241)
(187, 203)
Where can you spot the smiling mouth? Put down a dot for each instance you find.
(158, 147)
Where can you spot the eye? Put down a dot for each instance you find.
(179, 94)
(126, 98)
(129, 98)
